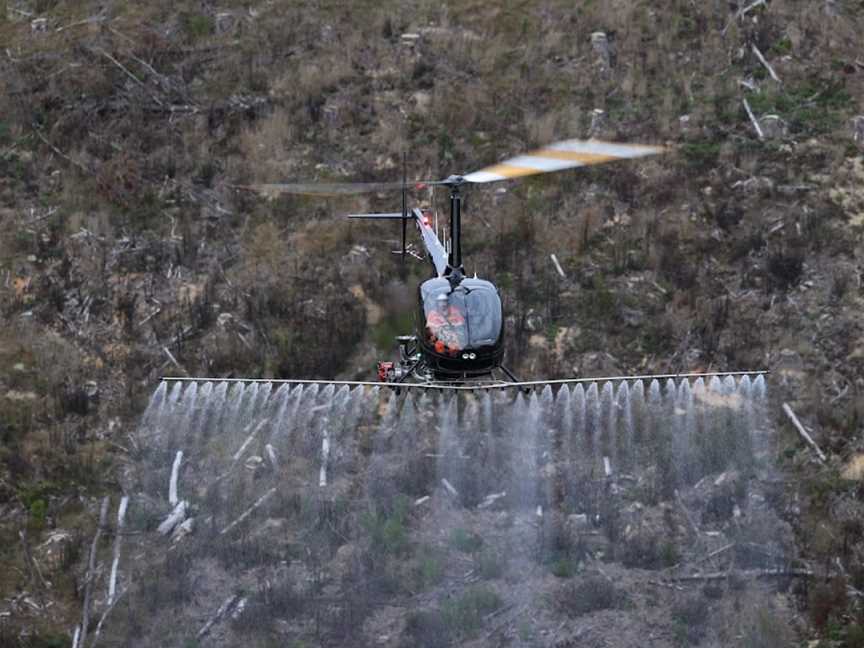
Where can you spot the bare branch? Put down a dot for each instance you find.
(59, 152)
(87, 21)
(129, 74)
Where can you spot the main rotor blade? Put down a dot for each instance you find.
(567, 154)
(328, 188)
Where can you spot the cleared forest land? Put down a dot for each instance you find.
(127, 253)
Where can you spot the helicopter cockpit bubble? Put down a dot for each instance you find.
(462, 327)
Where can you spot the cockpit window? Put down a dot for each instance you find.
(484, 315)
(446, 325)
(461, 319)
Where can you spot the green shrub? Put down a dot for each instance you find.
(427, 570)
(854, 636)
(701, 154)
(17, 419)
(387, 530)
(827, 600)
(465, 541)
(38, 510)
(197, 26)
(563, 568)
(764, 629)
(560, 551)
(427, 629)
(781, 47)
(47, 641)
(490, 564)
(647, 551)
(690, 617)
(811, 107)
(591, 594)
(464, 615)
(598, 303)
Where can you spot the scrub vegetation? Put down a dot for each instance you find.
(129, 249)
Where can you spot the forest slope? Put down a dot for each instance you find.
(128, 253)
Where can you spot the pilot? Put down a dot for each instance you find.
(446, 326)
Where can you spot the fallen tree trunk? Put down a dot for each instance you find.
(174, 518)
(91, 568)
(105, 614)
(220, 613)
(765, 63)
(121, 519)
(754, 120)
(271, 454)
(173, 359)
(716, 552)
(453, 492)
(557, 266)
(175, 474)
(35, 573)
(249, 511)
(693, 526)
(801, 431)
(756, 573)
(249, 440)
(325, 457)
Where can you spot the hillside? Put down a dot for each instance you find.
(129, 252)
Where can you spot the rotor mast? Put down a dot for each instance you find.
(454, 261)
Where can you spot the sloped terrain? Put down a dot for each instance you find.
(128, 252)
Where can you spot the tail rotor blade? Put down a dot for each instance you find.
(567, 154)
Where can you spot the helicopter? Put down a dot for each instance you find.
(459, 334)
